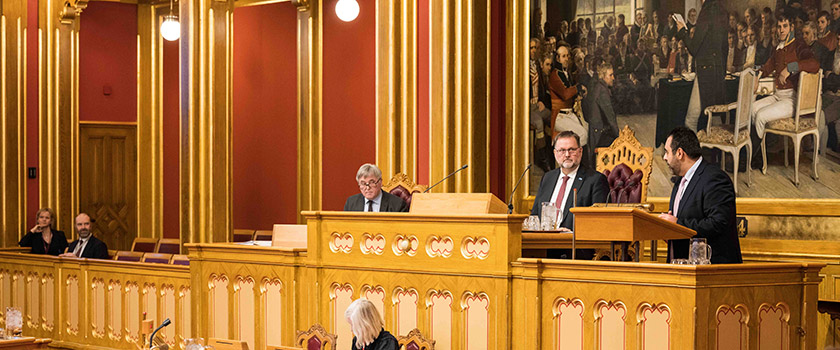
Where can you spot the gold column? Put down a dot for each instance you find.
(13, 121)
(58, 74)
(309, 126)
(396, 87)
(206, 108)
(150, 119)
(516, 98)
(460, 116)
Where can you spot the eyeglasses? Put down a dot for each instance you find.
(567, 150)
(366, 185)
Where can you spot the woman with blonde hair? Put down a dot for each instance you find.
(44, 238)
(367, 327)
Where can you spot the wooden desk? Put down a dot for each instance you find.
(24, 343)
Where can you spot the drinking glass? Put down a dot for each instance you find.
(532, 223)
(700, 252)
(14, 321)
(679, 261)
(549, 216)
(194, 344)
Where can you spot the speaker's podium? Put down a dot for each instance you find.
(625, 225)
(457, 203)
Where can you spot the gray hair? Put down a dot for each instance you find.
(368, 169)
(365, 321)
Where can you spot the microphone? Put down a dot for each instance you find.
(617, 184)
(446, 177)
(510, 201)
(165, 323)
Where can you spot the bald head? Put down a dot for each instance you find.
(83, 225)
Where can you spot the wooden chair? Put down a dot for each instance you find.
(112, 254)
(627, 166)
(808, 102)
(731, 138)
(144, 245)
(157, 258)
(263, 235)
(316, 338)
(178, 259)
(227, 344)
(169, 246)
(240, 235)
(415, 340)
(401, 186)
(128, 256)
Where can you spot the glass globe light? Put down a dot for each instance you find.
(347, 10)
(170, 29)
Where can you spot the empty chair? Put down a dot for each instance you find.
(263, 235)
(315, 338)
(415, 340)
(169, 246)
(144, 245)
(242, 235)
(179, 259)
(157, 258)
(128, 256)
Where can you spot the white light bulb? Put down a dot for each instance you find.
(347, 10)
(170, 29)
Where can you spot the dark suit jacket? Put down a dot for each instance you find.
(592, 187)
(598, 111)
(823, 56)
(708, 207)
(35, 241)
(762, 54)
(709, 48)
(390, 203)
(95, 249)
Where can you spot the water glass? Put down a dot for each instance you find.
(14, 321)
(194, 344)
(532, 223)
(679, 261)
(550, 216)
(700, 252)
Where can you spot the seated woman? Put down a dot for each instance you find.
(44, 238)
(367, 328)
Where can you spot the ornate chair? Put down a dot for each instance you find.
(401, 186)
(157, 258)
(627, 166)
(242, 235)
(316, 338)
(144, 245)
(808, 103)
(169, 246)
(128, 256)
(730, 138)
(415, 340)
(179, 259)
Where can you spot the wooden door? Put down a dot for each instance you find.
(108, 181)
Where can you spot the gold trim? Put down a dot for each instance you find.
(310, 120)
(246, 3)
(100, 122)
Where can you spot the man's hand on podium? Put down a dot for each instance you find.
(668, 217)
(563, 229)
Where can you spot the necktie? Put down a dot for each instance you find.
(78, 251)
(558, 200)
(370, 206)
(679, 195)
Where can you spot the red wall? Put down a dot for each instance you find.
(423, 101)
(265, 116)
(349, 101)
(32, 109)
(108, 60)
(171, 143)
(497, 99)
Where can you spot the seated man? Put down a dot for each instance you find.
(557, 186)
(563, 92)
(788, 58)
(372, 198)
(540, 116)
(87, 246)
(734, 55)
(821, 53)
(826, 37)
(754, 53)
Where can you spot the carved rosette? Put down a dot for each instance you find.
(370, 244)
(341, 242)
(475, 248)
(439, 246)
(409, 247)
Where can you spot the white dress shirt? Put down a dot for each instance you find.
(568, 190)
(377, 202)
(80, 247)
(687, 178)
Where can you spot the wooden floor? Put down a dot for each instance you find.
(777, 183)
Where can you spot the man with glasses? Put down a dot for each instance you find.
(559, 185)
(372, 198)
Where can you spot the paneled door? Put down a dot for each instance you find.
(108, 181)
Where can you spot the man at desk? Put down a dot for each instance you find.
(87, 246)
(703, 199)
(372, 198)
(558, 186)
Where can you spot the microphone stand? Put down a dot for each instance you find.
(446, 177)
(165, 323)
(574, 225)
(510, 201)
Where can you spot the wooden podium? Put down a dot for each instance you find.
(624, 225)
(457, 203)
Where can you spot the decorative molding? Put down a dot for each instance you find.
(475, 248)
(370, 244)
(782, 334)
(642, 324)
(341, 242)
(409, 248)
(557, 311)
(601, 334)
(743, 314)
(439, 246)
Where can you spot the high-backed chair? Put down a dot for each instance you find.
(415, 340)
(730, 138)
(178, 259)
(316, 338)
(128, 256)
(263, 235)
(627, 166)
(401, 186)
(242, 235)
(144, 245)
(806, 120)
(169, 246)
(156, 258)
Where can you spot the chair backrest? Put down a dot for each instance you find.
(315, 338)
(128, 256)
(633, 164)
(263, 235)
(169, 246)
(240, 235)
(415, 340)
(401, 186)
(144, 244)
(809, 96)
(178, 259)
(746, 98)
(227, 344)
(157, 258)
(289, 236)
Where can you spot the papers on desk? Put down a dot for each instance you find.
(256, 243)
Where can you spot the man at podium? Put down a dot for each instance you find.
(372, 198)
(703, 199)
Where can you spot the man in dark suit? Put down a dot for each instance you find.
(87, 246)
(709, 48)
(372, 198)
(598, 111)
(703, 199)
